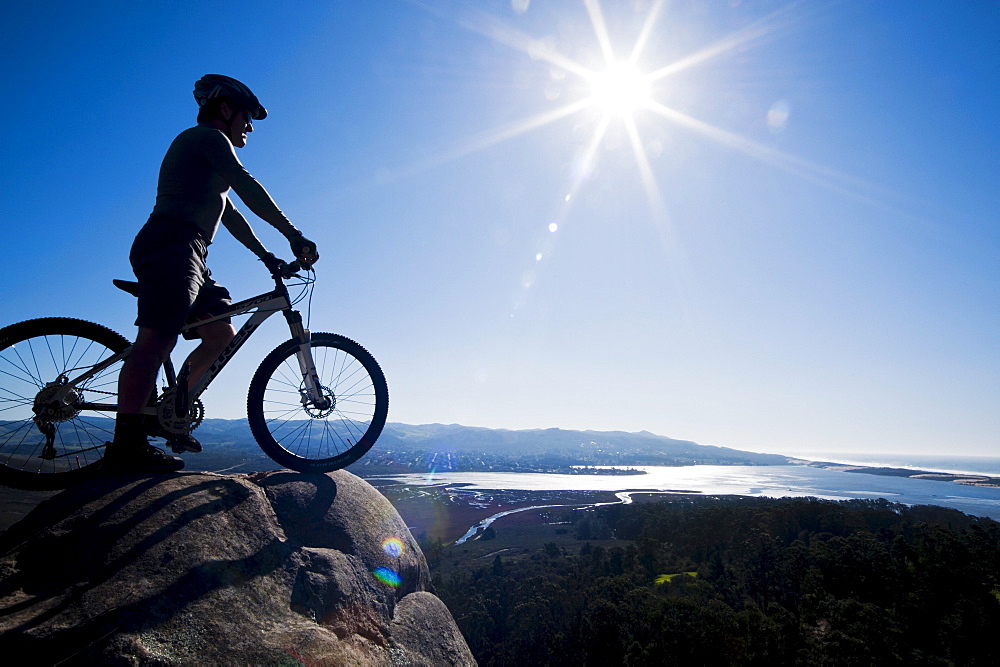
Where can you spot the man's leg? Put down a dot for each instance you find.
(130, 451)
(214, 339)
(138, 375)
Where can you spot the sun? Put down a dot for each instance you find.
(620, 90)
(617, 90)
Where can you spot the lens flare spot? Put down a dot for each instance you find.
(393, 547)
(387, 576)
(542, 49)
(553, 227)
(777, 115)
(538, 257)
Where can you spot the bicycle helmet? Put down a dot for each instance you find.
(217, 86)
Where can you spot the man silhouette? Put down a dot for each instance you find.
(168, 257)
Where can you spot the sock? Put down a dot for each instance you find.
(129, 429)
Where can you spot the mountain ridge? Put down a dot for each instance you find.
(446, 433)
(558, 446)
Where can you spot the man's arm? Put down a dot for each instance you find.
(223, 157)
(240, 228)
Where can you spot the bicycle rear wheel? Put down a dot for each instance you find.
(303, 436)
(53, 434)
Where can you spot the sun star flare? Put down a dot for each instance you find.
(620, 90)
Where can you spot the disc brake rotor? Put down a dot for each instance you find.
(319, 410)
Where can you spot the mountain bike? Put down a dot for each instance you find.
(316, 403)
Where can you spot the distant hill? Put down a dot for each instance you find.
(230, 447)
(408, 448)
(584, 445)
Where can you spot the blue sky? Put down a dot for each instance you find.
(791, 244)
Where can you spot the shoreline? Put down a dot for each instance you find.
(451, 512)
(635, 470)
(446, 512)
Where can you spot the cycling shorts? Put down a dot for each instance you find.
(175, 286)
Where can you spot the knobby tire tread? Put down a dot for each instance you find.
(258, 420)
(55, 326)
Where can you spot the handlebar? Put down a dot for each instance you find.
(280, 269)
(289, 269)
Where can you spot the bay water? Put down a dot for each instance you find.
(769, 481)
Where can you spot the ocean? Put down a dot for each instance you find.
(982, 465)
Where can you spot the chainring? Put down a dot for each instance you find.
(171, 422)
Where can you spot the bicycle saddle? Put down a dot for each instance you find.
(129, 286)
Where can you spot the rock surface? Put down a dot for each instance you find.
(274, 568)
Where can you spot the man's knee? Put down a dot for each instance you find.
(217, 334)
(153, 342)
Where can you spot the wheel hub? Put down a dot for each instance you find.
(56, 402)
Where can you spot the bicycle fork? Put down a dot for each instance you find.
(313, 394)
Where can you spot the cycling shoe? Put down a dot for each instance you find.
(143, 457)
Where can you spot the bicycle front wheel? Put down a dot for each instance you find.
(52, 431)
(307, 436)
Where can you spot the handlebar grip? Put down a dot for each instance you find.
(291, 268)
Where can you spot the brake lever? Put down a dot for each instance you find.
(292, 268)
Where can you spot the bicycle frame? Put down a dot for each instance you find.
(264, 306)
(317, 401)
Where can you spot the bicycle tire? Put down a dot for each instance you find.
(310, 439)
(33, 354)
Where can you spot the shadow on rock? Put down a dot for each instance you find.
(210, 568)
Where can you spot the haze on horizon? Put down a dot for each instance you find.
(770, 226)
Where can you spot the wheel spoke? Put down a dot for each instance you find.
(39, 358)
(311, 436)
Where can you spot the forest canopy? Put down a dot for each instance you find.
(740, 581)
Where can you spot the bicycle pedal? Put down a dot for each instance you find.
(184, 443)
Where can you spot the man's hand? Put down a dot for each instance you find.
(304, 249)
(272, 263)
